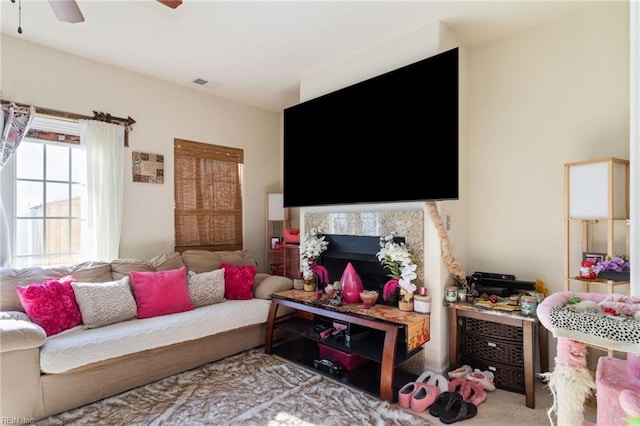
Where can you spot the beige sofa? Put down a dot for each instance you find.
(27, 393)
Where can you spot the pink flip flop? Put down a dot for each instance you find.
(405, 394)
(474, 393)
(424, 397)
(457, 384)
(460, 372)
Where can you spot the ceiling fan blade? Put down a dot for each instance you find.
(171, 3)
(66, 11)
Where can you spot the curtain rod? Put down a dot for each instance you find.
(127, 123)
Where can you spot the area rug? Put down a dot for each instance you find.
(250, 388)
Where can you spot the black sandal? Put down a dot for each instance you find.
(457, 411)
(443, 403)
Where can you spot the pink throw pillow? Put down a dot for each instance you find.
(161, 293)
(52, 305)
(238, 281)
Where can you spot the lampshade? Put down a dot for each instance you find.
(275, 209)
(596, 186)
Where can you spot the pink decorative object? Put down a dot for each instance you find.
(238, 281)
(351, 285)
(52, 305)
(612, 378)
(633, 366)
(369, 298)
(161, 293)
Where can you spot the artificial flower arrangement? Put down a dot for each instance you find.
(616, 264)
(310, 249)
(400, 263)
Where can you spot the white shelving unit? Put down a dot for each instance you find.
(596, 222)
(596, 218)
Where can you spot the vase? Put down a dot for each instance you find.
(351, 285)
(405, 306)
(298, 284)
(310, 283)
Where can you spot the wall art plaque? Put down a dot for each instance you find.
(147, 167)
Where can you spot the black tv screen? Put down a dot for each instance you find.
(390, 138)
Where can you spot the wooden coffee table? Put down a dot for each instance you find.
(399, 335)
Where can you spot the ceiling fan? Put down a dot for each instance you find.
(69, 11)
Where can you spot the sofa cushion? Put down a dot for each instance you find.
(203, 261)
(161, 293)
(206, 288)
(166, 261)
(121, 268)
(238, 281)
(12, 278)
(270, 284)
(105, 303)
(14, 315)
(78, 347)
(52, 305)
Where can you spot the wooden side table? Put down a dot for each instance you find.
(532, 333)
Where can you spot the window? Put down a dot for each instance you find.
(208, 196)
(44, 197)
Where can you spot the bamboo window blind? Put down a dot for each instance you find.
(208, 196)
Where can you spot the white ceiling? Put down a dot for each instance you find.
(257, 52)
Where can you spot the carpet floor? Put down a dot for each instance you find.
(250, 388)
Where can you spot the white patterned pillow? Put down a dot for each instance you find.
(206, 288)
(105, 303)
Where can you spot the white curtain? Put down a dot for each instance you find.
(14, 125)
(104, 147)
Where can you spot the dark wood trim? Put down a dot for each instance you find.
(127, 123)
(53, 136)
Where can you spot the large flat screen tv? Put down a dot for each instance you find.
(390, 138)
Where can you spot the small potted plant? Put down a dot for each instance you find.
(613, 268)
(400, 263)
(310, 250)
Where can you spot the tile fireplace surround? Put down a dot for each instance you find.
(421, 237)
(407, 224)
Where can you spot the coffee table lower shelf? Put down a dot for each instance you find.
(364, 377)
(383, 347)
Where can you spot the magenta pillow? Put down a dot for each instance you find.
(238, 281)
(161, 293)
(52, 305)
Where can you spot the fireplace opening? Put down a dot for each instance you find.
(360, 251)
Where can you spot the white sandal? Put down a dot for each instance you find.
(460, 372)
(440, 381)
(425, 377)
(485, 378)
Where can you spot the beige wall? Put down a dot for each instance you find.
(49, 78)
(557, 93)
(554, 94)
(530, 102)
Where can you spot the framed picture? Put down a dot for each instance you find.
(274, 242)
(148, 168)
(595, 258)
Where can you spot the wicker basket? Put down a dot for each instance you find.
(488, 348)
(493, 329)
(505, 377)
